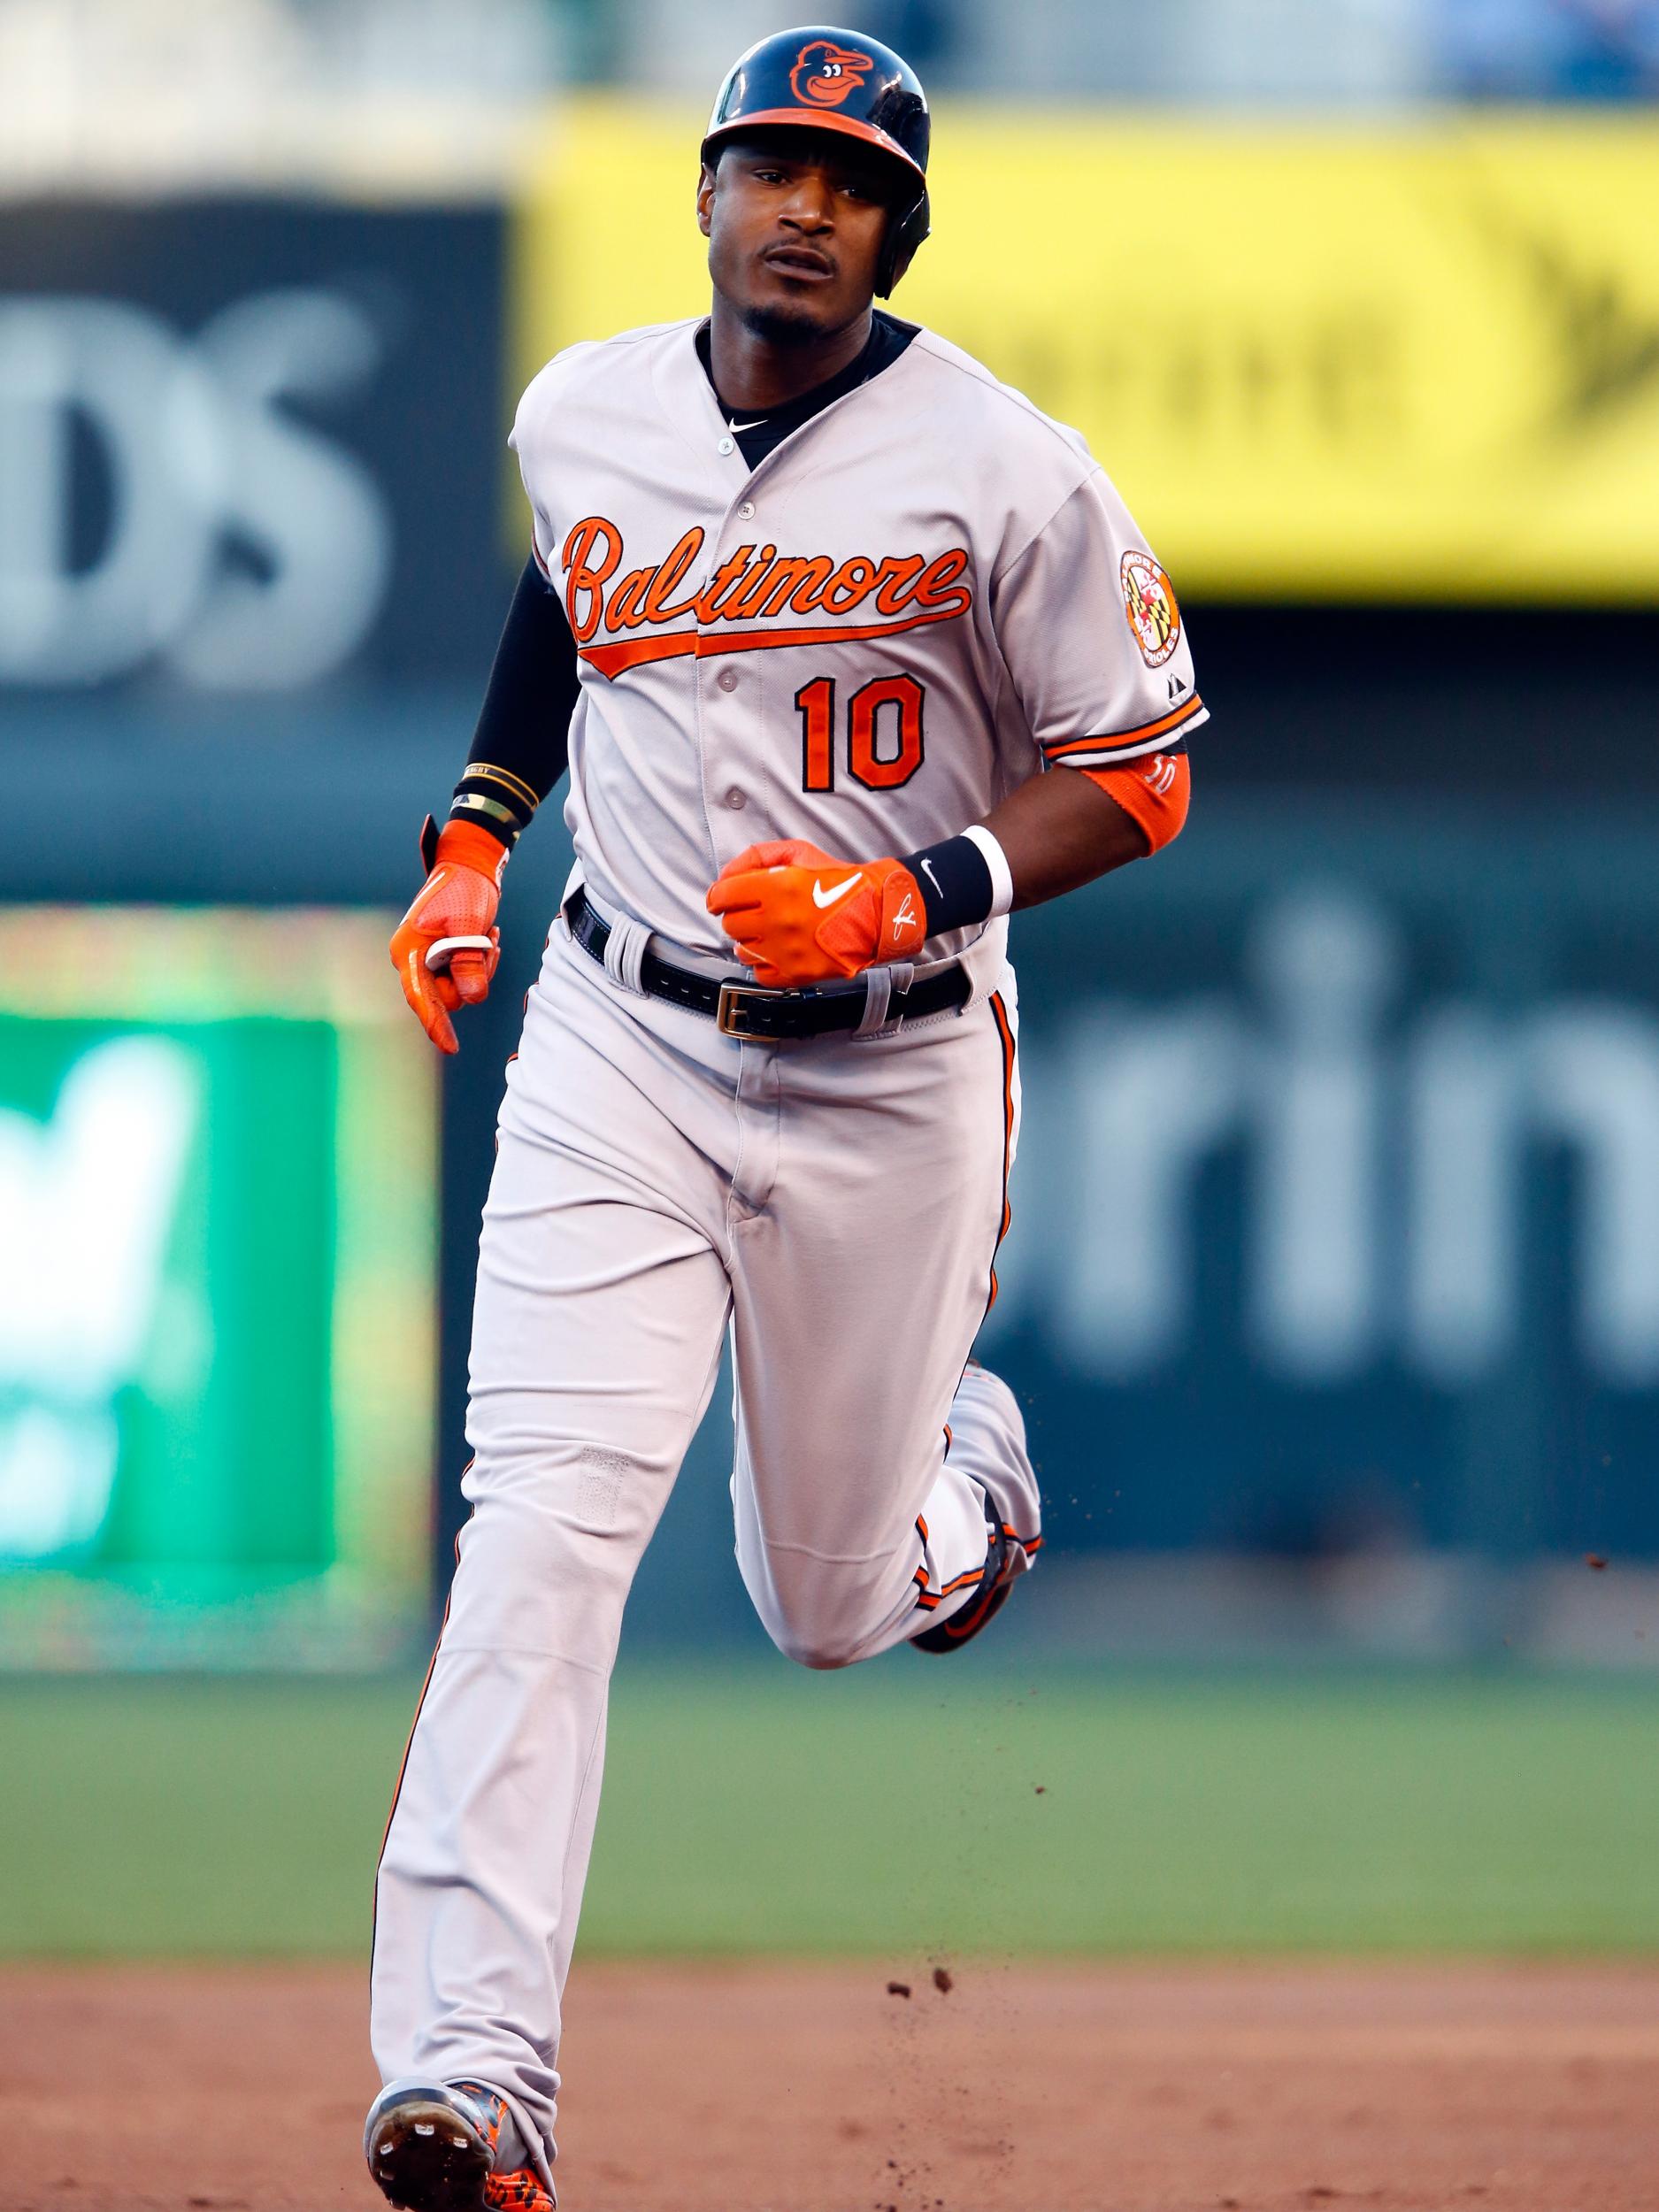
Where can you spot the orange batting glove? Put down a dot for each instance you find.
(799, 916)
(446, 947)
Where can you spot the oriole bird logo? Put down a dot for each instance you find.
(825, 73)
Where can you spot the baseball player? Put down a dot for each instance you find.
(847, 650)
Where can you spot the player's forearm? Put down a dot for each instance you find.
(521, 748)
(1061, 830)
(1057, 831)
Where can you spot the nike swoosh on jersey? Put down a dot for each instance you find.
(746, 426)
(821, 897)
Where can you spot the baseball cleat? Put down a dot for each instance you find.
(521, 2191)
(986, 1405)
(431, 2147)
(1004, 1560)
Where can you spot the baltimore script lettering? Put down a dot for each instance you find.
(757, 584)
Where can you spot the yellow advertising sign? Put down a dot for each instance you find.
(1415, 361)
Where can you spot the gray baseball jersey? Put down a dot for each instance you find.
(867, 642)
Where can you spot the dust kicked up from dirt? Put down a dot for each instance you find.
(775, 2089)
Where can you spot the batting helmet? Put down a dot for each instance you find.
(826, 80)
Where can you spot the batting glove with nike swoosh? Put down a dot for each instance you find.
(446, 947)
(800, 916)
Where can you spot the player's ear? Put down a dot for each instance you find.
(705, 200)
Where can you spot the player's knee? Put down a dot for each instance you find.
(816, 1639)
(821, 1650)
(821, 1613)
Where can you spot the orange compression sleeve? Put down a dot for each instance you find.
(1154, 791)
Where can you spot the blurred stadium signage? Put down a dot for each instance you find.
(216, 1310)
(195, 447)
(1338, 1195)
(248, 445)
(1417, 361)
(1387, 1165)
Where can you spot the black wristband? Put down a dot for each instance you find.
(485, 780)
(956, 884)
(486, 814)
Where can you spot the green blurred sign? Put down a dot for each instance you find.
(217, 1313)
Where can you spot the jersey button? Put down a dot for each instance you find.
(736, 798)
(728, 680)
(727, 445)
(746, 511)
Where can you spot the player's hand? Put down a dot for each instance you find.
(799, 916)
(456, 902)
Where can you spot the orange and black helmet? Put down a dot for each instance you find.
(822, 78)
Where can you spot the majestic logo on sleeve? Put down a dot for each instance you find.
(824, 74)
(622, 618)
(1149, 602)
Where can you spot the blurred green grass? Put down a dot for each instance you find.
(888, 1811)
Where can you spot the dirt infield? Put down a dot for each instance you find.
(775, 2089)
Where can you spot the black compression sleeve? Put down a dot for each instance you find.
(956, 881)
(522, 747)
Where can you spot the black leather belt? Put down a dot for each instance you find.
(749, 1010)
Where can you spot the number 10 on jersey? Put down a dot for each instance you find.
(879, 715)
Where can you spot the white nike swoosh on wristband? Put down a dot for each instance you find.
(927, 869)
(821, 897)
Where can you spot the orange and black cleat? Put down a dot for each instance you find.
(1005, 1557)
(521, 2191)
(432, 2146)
